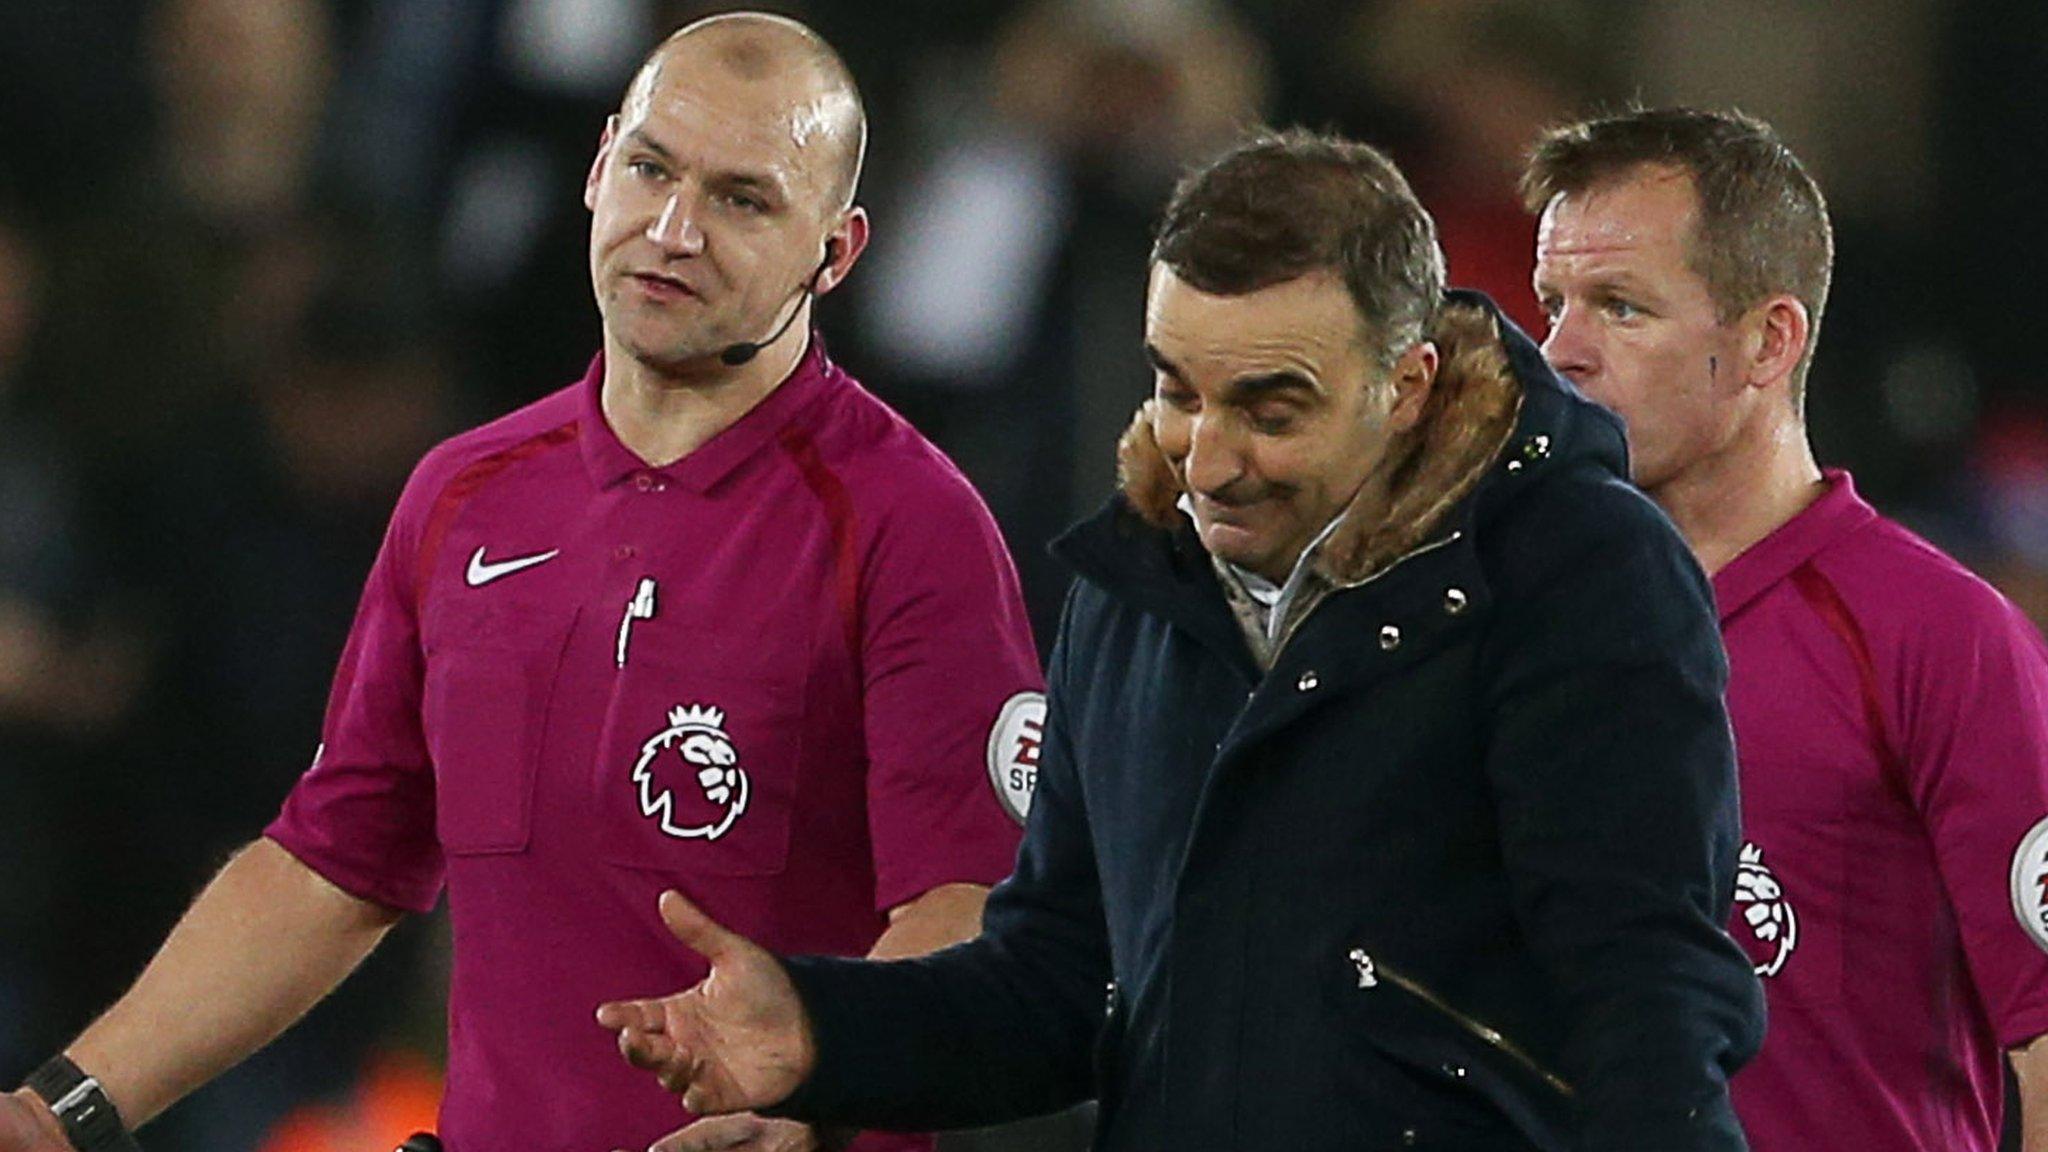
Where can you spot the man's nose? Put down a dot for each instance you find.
(674, 229)
(1570, 348)
(1215, 457)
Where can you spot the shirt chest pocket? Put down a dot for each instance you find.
(1792, 912)
(490, 679)
(699, 764)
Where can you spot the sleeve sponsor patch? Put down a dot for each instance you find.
(1013, 747)
(2030, 883)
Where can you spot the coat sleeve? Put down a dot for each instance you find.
(991, 1030)
(1613, 768)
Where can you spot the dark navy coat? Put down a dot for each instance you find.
(1451, 875)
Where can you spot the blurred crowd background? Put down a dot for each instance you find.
(256, 255)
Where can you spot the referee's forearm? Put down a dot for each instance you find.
(942, 917)
(263, 943)
(2030, 1072)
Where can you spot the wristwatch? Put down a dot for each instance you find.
(90, 1120)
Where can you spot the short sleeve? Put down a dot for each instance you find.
(1975, 703)
(952, 695)
(363, 814)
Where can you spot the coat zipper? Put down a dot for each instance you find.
(1371, 972)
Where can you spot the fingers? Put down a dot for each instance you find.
(691, 926)
(741, 1131)
(27, 1125)
(789, 1136)
(651, 1051)
(642, 1014)
(671, 1064)
(695, 1096)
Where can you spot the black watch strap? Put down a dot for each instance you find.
(90, 1120)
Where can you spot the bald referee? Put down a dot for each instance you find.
(711, 618)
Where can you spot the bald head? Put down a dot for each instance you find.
(818, 99)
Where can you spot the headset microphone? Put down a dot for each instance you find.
(735, 355)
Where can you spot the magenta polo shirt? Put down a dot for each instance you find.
(1891, 718)
(789, 675)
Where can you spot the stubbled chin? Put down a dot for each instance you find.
(668, 357)
(1232, 542)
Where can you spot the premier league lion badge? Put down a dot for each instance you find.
(1765, 909)
(696, 745)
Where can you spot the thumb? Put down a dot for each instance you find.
(689, 924)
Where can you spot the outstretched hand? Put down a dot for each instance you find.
(736, 1041)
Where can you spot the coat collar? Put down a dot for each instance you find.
(1498, 419)
(1425, 472)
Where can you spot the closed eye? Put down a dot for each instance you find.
(1272, 419)
(1177, 396)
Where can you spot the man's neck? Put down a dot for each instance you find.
(1728, 502)
(663, 416)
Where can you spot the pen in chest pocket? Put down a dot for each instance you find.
(640, 607)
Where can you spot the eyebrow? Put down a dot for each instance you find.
(640, 139)
(735, 179)
(1160, 362)
(1250, 389)
(749, 182)
(1602, 278)
(1244, 389)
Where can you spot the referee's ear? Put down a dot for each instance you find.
(592, 178)
(843, 247)
(1776, 336)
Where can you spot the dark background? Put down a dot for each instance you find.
(256, 255)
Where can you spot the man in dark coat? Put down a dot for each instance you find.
(1386, 789)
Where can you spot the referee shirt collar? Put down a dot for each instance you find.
(611, 463)
(1838, 512)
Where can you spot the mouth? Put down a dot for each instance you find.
(661, 287)
(1233, 511)
(1231, 539)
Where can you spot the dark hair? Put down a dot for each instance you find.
(1285, 204)
(1763, 224)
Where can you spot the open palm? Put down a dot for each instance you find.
(737, 1040)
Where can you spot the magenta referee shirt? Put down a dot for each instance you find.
(1891, 718)
(789, 675)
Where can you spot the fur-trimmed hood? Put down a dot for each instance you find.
(1426, 472)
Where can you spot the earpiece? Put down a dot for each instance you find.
(735, 355)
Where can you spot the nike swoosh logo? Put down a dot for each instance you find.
(481, 573)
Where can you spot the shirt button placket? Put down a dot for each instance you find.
(642, 482)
